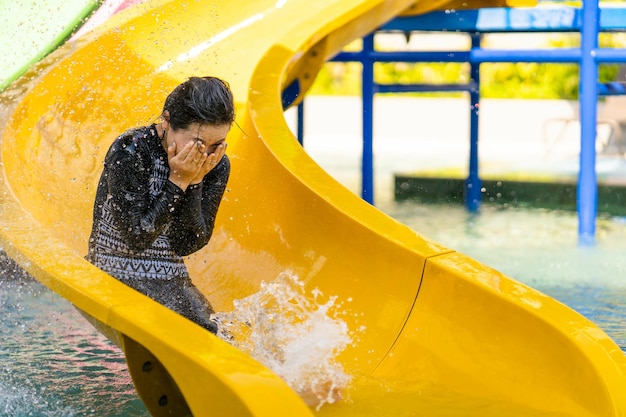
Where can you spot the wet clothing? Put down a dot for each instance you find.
(143, 224)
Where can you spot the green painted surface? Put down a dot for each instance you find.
(31, 29)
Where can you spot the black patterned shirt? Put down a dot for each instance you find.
(143, 223)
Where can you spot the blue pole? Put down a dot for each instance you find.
(300, 131)
(587, 183)
(367, 165)
(473, 184)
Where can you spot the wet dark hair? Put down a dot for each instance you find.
(204, 100)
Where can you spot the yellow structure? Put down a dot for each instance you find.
(444, 335)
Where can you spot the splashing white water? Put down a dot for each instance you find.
(294, 334)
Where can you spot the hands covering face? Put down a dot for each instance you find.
(192, 152)
(193, 162)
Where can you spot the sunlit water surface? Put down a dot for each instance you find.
(55, 364)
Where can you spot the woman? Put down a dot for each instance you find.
(159, 193)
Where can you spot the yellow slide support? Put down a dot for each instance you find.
(443, 334)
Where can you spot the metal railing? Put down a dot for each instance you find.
(589, 20)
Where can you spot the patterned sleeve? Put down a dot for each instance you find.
(141, 218)
(193, 225)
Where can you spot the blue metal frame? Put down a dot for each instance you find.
(473, 184)
(587, 193)
(368, 91)
(492, 20)
(588, 20)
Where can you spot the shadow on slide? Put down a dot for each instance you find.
(436, 333)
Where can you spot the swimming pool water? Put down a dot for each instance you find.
(55, 364)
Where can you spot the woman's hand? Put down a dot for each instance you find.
(211, 161)
(186, 165)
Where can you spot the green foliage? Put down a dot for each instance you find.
(498, 80)
(338, 78)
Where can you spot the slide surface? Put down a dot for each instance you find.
(438, 333)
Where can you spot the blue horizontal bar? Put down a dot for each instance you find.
(416, 56)
(538, 19)
(612, 89)
(349, 57)
(476, 55)
(557, 55)
(406, 56)
(423, 88)
(481, 55)
(606, 55)
(612, 18)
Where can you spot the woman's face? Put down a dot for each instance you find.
(211, 136)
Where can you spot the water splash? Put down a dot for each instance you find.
(20, 400)
(294, 334)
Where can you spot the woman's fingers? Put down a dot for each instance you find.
(219, 153)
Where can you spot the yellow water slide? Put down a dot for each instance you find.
(439, 334)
